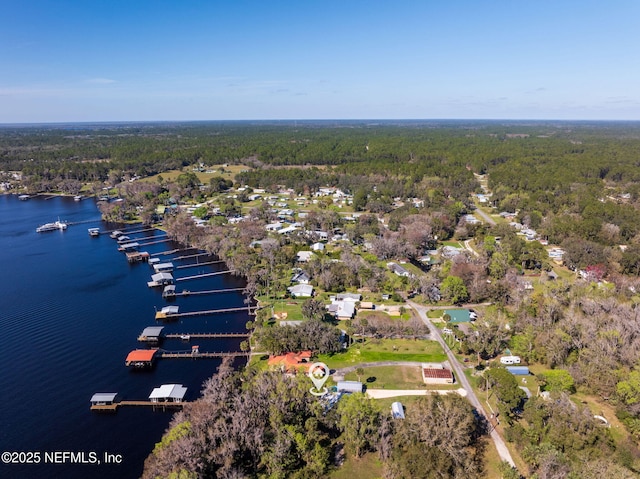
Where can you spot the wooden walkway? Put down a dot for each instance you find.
(207, 335)
(211, 291)
(155, 242)
(211, 311)
(155, 405)
(201, 355)
(195, 265)
(204, 275)
(171, 251)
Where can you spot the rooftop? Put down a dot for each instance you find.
(141, 355)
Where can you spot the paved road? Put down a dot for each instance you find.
(485, 217)
(503, 452)
(391, 393)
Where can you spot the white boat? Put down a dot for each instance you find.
(185, 337)
(56, 225)
(94, 232)
(77, 198)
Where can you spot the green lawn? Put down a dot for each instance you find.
(293, 308)
(383, 350)
(390, 377)
(368, 466)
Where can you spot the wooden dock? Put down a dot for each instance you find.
(187, 256)
(200, 355)
(195, 265)
(204, 275)
(156, 242)
(211, 291)
(211, 312)
(155, 405)
(171, 251)
(206, 335)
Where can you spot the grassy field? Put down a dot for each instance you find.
(386, 350)
(293, 308)
(390, 377)
(227, 172)
(368, 466)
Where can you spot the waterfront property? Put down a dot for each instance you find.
(151, 334)
(168, 393)
(160, 279)
(291, 362)
(141, 358)
(128, 246)
(169, 291)
(163, 267)
(103, 399)
(137, 256)
(167, 312)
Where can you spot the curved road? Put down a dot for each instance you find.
(503, 452)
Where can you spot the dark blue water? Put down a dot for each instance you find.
(71, 308)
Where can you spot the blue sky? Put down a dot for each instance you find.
(113, 60)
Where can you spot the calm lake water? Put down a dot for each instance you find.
(71, 309)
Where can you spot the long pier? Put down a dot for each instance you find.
(211, 291)
(207, 335)
(204, 275)
(155, 405)
(200, 355)
(156, 242)
(171, 251)
(210, 311)
(191, 255)
(195, 265)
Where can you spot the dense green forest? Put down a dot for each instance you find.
(560, 172)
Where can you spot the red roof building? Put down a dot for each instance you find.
(292, 362)
(141, 357)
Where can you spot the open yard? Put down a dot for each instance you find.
(390, 377)
(386, 350)
(368, 466)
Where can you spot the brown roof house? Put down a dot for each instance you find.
(436, 373)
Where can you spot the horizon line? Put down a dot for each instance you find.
(319, 120)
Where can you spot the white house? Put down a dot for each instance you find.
(317, 246)
(399, 270)
(304, 256)
(301, 291)
(510, 359)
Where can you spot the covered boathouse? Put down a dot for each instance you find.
(168, 393)
(151, 334)
(137, 256)
(141, 358)
(103, 399)
(160, 279)
(167, 311)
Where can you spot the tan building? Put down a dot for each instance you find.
(436, 374)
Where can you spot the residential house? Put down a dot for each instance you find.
(300, 277)
(304, 256)
(291, 362)
(301, 291)
(399, 270)
(342, 310)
